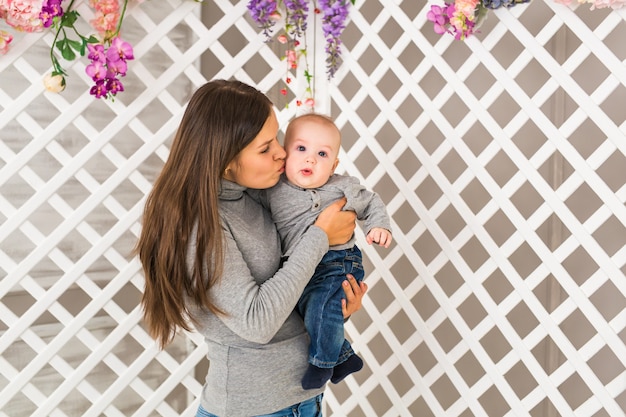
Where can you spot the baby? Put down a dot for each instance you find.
(312, 143)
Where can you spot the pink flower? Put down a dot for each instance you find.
(596, 4)
(115, 67)
(437, 15)
(105, 23)
(99, 90)
(467, 7)
(96, 52)
(601, 4)
(96, 70)
(275, 16)
(292, 58)
(5, 40)
(107, 64)
(105, 6)
(114, 86)
(123, 50)
(106, 17)
(23, 15)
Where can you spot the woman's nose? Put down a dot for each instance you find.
(280, 154)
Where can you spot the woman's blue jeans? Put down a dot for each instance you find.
(320, 306)
(308, 408)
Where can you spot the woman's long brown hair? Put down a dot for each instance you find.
(221, 118)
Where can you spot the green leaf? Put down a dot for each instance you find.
(60, 44)
(69, 18)
(67, 53)
(92, 39)
(76, 45)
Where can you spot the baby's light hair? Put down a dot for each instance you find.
(320, 117)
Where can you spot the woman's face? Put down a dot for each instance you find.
(260, 164)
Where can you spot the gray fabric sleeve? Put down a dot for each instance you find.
(255, 312)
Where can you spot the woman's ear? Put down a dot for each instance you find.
(228, 172)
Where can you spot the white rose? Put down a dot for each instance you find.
(54, 83)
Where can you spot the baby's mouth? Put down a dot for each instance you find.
(306, 171)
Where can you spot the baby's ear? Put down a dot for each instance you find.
(335, 165)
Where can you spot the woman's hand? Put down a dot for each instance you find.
(339, 225)
(354, 295)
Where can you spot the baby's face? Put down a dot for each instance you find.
(312, 148)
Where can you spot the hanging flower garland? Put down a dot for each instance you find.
(596, 4)
(108, 52)
(294, 14)
(462, 18)
(109, 55)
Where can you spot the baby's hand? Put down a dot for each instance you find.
(380, 236)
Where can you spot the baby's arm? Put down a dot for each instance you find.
(380, 236)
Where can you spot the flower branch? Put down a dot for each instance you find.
(107, 51)
(294, 15)
(462, 18)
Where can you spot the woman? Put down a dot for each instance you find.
(212, 259)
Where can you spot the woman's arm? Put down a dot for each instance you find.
(257, 307)
(256, 296)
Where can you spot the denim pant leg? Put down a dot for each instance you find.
(308, 408)
(320, 306)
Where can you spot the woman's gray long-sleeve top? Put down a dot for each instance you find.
(258, 351)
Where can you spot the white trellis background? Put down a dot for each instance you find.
(502, 159)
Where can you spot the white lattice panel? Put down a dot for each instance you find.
(505, 167)
(502, 160)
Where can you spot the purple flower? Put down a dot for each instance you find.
(96, 70)
(116, 66)
(107, 64)
(335, 13)
(297, 12)
(99, 90)
(494, 4)
(114, 86)
(263, 13)
(96, 52)
(49, 10)
(121, 49)
(439, 18)
(462, 18)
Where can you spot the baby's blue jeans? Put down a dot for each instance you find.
(320, 306)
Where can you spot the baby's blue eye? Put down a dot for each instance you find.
(322, 154)
(301, 148)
